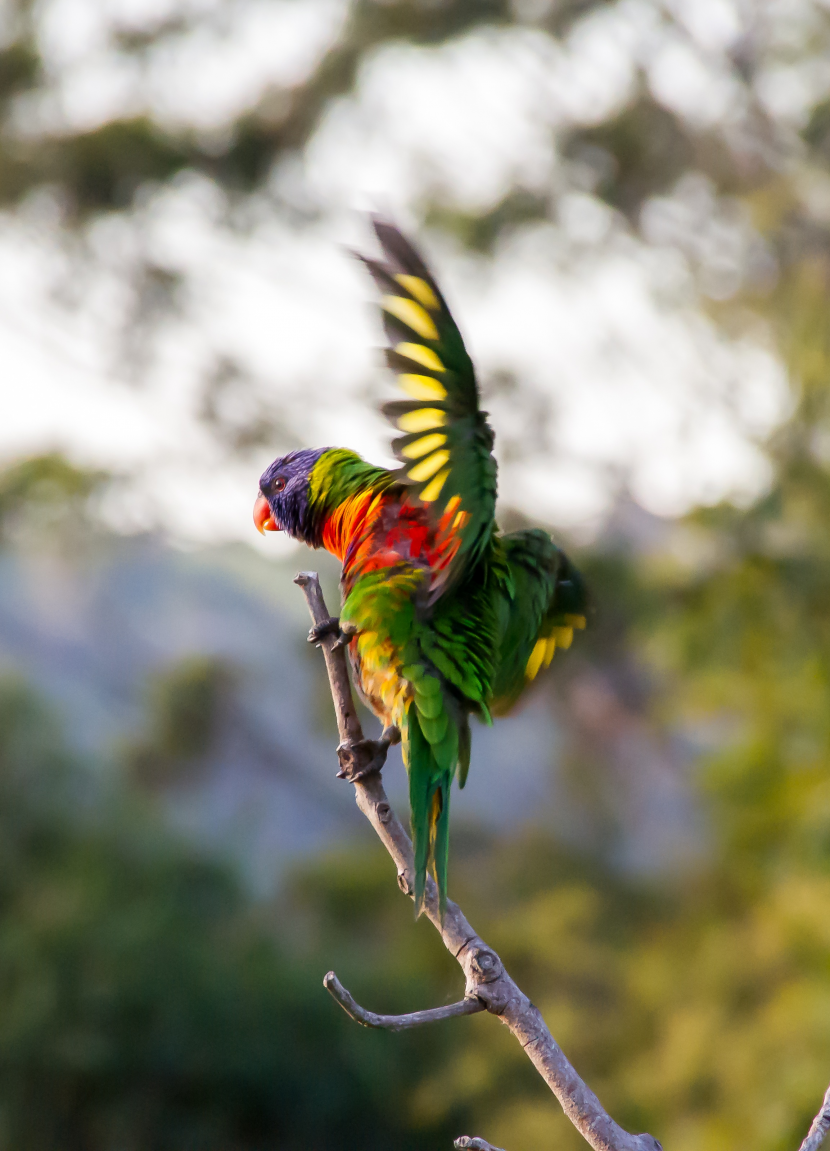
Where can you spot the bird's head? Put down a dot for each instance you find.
(284, 501)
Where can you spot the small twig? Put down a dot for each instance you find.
(468, 1143)
(487, 979)
(819, 1127)
(396, 1022)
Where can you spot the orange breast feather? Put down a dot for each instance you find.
(370, 532)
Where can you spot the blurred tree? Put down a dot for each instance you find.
(187, 705)
(142, 1005)
(49, 490)
(638, 151)
(145, 1002)
(148, 1004)
(760, 153)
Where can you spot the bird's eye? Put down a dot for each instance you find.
(278, 484)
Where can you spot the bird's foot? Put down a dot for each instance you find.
(346, 634)
(330, 626)
(390, 735)
(365, 756)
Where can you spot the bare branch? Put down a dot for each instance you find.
(466, 1143)
(396, 1022)
(487, 979)
(819, 1127)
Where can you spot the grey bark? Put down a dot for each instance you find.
(486, 978)
(396, 1022)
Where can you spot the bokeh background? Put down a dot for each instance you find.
(628, 203)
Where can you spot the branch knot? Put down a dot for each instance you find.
(486, 965)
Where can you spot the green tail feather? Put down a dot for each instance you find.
(464, 749)
(429, 804)
(440, 836)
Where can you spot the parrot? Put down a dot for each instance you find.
(443, 616)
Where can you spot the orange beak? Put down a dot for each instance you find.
(263, 517)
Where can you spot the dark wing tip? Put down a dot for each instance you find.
(381, 274)
(398, 250)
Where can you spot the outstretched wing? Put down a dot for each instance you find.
(446, 446)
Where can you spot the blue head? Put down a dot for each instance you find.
(283, 503)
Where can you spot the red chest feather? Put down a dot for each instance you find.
(370, 532)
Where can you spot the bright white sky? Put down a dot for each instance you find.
(603, 331)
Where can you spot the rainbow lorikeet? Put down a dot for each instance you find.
(444, 616)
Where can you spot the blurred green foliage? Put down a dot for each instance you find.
(46, 493)
(146, 1002)
(186, 706)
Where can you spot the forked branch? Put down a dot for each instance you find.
(487, 980)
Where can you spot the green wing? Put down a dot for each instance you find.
(446, 447)
(542, 599)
